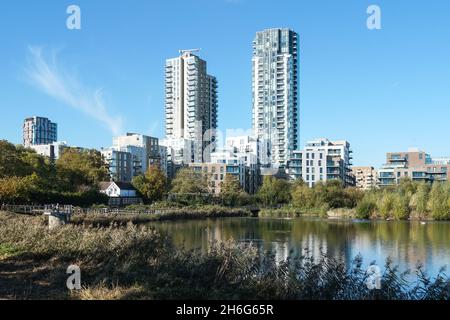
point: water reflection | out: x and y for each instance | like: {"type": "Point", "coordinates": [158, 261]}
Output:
{"type": "Point", "coordinates": [407, 243]}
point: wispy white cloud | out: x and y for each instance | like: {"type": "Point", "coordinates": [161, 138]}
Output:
{"type": "Point", "coordinates": [45, 73]}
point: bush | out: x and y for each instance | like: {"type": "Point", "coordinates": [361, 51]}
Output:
{"type": "Point", "coordinates": [386, 205]}
{"type": "Point", "coordinates": [366, 208]}
{"type": "Point", "coordinates": [438, 202]}
{"type": "Point", "coordinates": [401, 207]}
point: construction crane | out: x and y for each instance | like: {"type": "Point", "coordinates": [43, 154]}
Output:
{"type": "Point", "coordinates": [182, 52]}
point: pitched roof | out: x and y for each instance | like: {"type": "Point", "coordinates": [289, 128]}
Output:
{"type": "Point", "coordinates": [121, 185]}
{"type": "Point", "coordinates": [104, 185]}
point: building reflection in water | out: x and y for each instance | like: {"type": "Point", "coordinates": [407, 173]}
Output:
{"type": "Point", "coordinates": [407, 243]}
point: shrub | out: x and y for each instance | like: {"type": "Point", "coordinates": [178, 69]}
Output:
{"type": "Point", "coordinates": [386, 205]}
{"type": "Point", "coordinates": [366, 208]}
{"type": "Point", "coordinates": [437, 203]}
{"type": "Point", "coordinates": [401, 207]}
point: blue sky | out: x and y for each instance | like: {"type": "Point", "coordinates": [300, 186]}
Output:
{"type": "Point", "coordinates": [383, 90]}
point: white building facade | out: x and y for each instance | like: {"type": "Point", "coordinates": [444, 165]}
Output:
{"type": "Point", "coordinates": [191, 104]}
{"type": "Point", "coordinates": [323, 160]}
{"type": "Point", "coordinates": [52, 150]}
{"type": "Point", "coordinates": [275, 92]}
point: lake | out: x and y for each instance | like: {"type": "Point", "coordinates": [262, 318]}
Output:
{"type": "Point", "coordinates": [407, 243]}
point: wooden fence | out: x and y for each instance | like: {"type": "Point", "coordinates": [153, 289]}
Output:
{"type": "Point", "coordinates": [39, 210]}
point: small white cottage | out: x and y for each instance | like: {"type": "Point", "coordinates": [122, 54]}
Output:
{"type": "Point", "coordinates": [120, 193]}
{"type": "Point", "coordinates": [118, 189]}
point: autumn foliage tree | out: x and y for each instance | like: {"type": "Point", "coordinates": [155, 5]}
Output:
{"type": "Point", "coordinates": [274, 191]}
{"type": "Point", "coordinates": [231, 190]}
{"type": "Point", "coordinates": [153, 185]}
{"type": "Point", "coordinates": [27, 177]}
{"type": "Point", "coordinates": [79, 170]}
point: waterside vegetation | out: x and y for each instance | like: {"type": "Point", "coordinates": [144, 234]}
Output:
{"type": "Point", "coordinates": [136, 262]}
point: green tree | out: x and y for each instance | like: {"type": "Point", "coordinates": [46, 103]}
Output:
{"type": "Point", "coordinates": [421, 198]}
{"type": "Point", "coordinates": [11, 161]}
{"type": "Point", "coordinates": [367, 206]}
{"type": "Point", "coordinates": [303, 196]}
{"type": "Point", "coordinates": [231, 190]}
{"type": "Point", "coordinates": [400, 207]}
{"type": "Point", "coordinates": [152, 185]}
{"type": "Point", "coordinates": [386, 204]}
{"type": "Point", "coordinates": [17, 190]}
{"type": "Point", "coordinates": [274, 191]}
{"type": "Point", "coordinates": [438, 202]}
{"type": "Point", "coordinates": [16, 161]}
{"type": "Point", "coordinates": [187, 181]}
{"type": "Point", "coordinates": [80, 169]}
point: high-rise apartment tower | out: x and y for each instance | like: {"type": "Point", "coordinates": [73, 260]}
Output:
{"type": "Point", "coordinates": [275, 92]}
{"type": "Point", "coordinates": [191, 104]}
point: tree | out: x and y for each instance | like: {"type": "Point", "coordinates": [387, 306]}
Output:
{"type": "Point", "coordinates": [274, 191]}
{"type": "Point", "coordinates": [367, 206]}
{"type": "Point", "coordinates": [21, 162]}
{"type": "Point", "coordinates": [400, 206]}
{"type": "Point", "coordinates": [152, 186]}
{"type": "Point", "coordinates": [187, 181]}
{"type": "Point", "coordinates": [231, 190]}
{"type": "Point", "coordinates": [78, 169]}
{"type": "Point", "coordinates": [438, 202]}
{"type": "Point", "coordinates": [386, 204]}
{"type": "Point", "coordinates": [421, 198]}
{"type": "Point", "coordinates": [303, 196]}
{"type": "Point", "coordinates": [18, 189]}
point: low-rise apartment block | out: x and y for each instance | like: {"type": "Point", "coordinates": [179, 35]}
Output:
{"type": "Point", "coordinates": [366, 178]}
{"type": "Point", "coordinates": [321, 161]}
{"type": "Point", "coordinates": [242, 166]}
{"type": "Point", "coordinates": [119, 164]}
{"type": "Point", "coordinates": [414, 164]}
{"type": "Point", "coordinates": [131, 155]}
{"type": "Point", "coordinates": [52, 150]}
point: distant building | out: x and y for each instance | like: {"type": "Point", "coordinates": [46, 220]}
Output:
{"type": "Point", "coordinates": [321, 161]}
{"type": "Point", "coordinates": [52, 150]}
{"type": "Point", "coordinates": [275, 70]}
{"type": "Point", "coordinates": [250, 145]}
{"type": "Point", "coordinates": [179, 151]}
{"type": "Point", "coordinates": [145, 150]}
{"type": "Point", "coordinates": [164, 161]}
{"type": "Point", "coordinates": [120, 193]}
{"type": "Point", "coordinates": [366, 177]}
{"type": "Point", "coordinates": [216, 173]}
{"type": "Point", "coordinates": [414, 164]}
{"type": "Point", "coordinates": [119, 164]}
{"type": "Point", "coordinates": [191, 105]}
{"type": "Point", "coordinates": [242, 166]}
{"type": "Point", "coordinates": [39, 131]}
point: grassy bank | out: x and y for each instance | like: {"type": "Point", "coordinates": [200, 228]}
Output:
{"type": "Point", "coordinates": [137, 215]}
{"type": "Point", "coordinates": [135, 262]}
